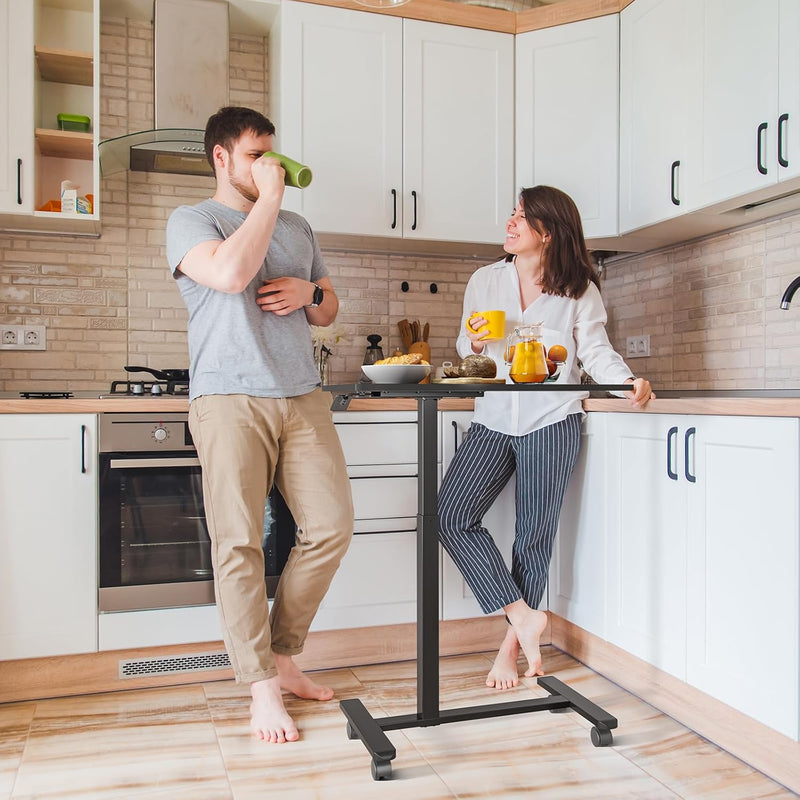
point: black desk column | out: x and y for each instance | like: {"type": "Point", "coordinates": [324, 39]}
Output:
{"type": "Point", "coordinates": [427, 561]}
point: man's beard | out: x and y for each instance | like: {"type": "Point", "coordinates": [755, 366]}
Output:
{"type": "Point", "coordinates": [248, 192]}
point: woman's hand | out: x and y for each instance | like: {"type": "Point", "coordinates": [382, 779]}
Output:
{"type": "Point", "coordinates": [642, 394]}
{"type": "Point", "coordinates": [475, 337]}
{"type": "Point", "coordinates": [281, 296]}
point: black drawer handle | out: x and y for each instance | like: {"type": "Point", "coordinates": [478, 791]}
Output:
{"type": "Point", "coordinates": [83, 449]}
{"type": "Point", "coordinates": [19, 181]}
{"type": "Point", "coordinates": [762, 128]}
{"type": "Point", "coordinates": [670, 472]}
{"type": "Point", "coordinates": [673, 183]}
{"type": "Point", "coordinates": [414, 224]}
{"type": "Point", "coordinates": [782, 120]}
{"type": "Point", "coordinates": [394, 208]}
{"type": "Point", "coordinates": [689, 433]}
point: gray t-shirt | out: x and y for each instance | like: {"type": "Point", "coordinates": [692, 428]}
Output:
{"type": "Point", "coordinates": [234, 346]}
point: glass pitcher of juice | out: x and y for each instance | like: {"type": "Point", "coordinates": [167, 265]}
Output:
{"type": "Point", "coordinates": [525, 354]}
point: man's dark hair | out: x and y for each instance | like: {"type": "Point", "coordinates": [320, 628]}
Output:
{"type": "Point", "coordinates": [227, 126]}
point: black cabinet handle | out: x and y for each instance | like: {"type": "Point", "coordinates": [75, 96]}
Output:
{"type": "Point", "coordinates": [689, 433]}
{"type": "Point", "coordinates": [394, 208]}
{"type": "Point", "coordinates": [414, 224]}
{"type": "Point", "coordinates": [760, 149]}
{"type": "Point", "coordinates": [782, 120]}
{"type": "Point", "coordinates": [19, 181]}
{"type": "Point", "coordinates": [83, 448]}
{"type": "Point", "coordinates": [455, 436]}
{"type": "Point", "coordinates": [673, 195]}
{"type": "Point", "coordinates": [672, 432]}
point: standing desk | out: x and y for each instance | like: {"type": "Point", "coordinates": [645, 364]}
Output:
{"type": "Point", "coordinates": [360, 723]}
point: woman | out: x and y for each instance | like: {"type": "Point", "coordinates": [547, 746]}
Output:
{"type": "Point", "coordinates": [546, 277]}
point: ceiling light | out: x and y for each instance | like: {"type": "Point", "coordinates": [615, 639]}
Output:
{"type": "Point", "coordinates": [381, 3]}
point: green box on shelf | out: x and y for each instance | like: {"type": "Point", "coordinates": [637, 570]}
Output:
{"type": "Point", "coordinates": [73, 122]}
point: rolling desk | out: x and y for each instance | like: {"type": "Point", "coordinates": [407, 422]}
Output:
{"type": "Point", "coordinates": [360, 723]}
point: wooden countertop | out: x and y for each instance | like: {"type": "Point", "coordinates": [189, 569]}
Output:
{"type": "Point", "coordinates": [733, 406]}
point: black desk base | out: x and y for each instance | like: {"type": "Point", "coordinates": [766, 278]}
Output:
{"type": "Point", "coordinates": [360, 723]}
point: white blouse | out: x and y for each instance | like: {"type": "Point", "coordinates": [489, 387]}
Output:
{"type": "Point", "coordinates": [579, 325]}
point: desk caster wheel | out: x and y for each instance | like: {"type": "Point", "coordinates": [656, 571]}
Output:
{"type": "Point", "coordinates": [381, 770]}
{"type": "Point", "coordinates": [351, 734]}
{"type": "Point", "coordinates": [601, 737]}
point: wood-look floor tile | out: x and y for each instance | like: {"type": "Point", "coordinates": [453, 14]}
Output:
{"type": "Point", "coordinates": [15, 721]}
{"type": "Point", "coordinates": [144, 743]}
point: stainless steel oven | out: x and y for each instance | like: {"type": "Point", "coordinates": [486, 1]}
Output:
{"type": "Point", "coordinates": [154, 545]}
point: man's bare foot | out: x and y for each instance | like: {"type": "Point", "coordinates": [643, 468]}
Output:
{"type": "Point", "coordinates": [293, 680]}
{"type": "Point", "coordinates": [503, 674]}
{"type": "Point", "coordinates": [268, 717]}
{"type": "Point", "coordinates": [529, 624]}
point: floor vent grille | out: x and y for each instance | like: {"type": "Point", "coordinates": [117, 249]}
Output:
{"type": "Point", "coordinates": [171, 665]}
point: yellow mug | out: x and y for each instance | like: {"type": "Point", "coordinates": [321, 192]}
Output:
{"type": "Point", "coordinates": [495, 325]}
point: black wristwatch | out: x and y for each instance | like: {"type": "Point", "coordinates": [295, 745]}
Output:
{"type": "Point", "coordinates": [318, 297]}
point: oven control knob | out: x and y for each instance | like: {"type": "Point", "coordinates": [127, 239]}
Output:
{"type": "Point", "coordinates": [159, 434]}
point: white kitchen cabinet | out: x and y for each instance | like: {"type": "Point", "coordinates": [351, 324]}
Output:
{"type": "Point", "coordinates": [48, 535]}
{"type": "Point", "coordinates": [703, 553]}
{"type": "Point", "coordinates": [567, 116]}
{"type": "Point", "coordinates": [743, 94]}
{"type": "Point", "coordinates": [52, 50]}
{"type": "Point", "coordinates": [407, 125]}
{"type": "Point", "coordinates": [577, 582]}
{"type": "Point", "coordinates": [458, 601]}
{"type": "Point", "coordinates": [657, 79]}
{"type": "Point", "coordinates": [16, 107]}
{"type": "Point", "coordinates": [743, 556]}
{"type": "Point", "coordinates": [646, 529]}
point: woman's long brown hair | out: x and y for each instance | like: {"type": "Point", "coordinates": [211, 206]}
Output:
{"type": "Point", "coordinates": [566, 266]}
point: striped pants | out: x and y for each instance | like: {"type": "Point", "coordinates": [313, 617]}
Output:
{"type": "Point", "coordinates": [481, 467]}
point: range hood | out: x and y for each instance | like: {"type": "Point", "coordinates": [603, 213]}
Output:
{"type": "Point", "coordinates": [191, 83]}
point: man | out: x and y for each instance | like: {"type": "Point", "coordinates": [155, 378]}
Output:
{"type": "Point", "coordinates": [253, 279]}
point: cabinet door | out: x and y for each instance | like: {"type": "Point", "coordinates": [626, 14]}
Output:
{"type": "Point", "coordinates": [656, 78]}
{"type": "Point", "coordinates": [567, 107]}
{"type": "Point", "coordinates": [734, 117]}
{"type": "Point", "coordinates": [48, 535]}
{"type": "Point", "coordinates": [458, 601]}
{"type": "Point", "coordinates": [16, 107]}
{"type": "Point", "coordinates": [577, 585]}
{"type": "Point", "coordinates": [336, 99]}
{"type": "Point", "coordinates": [646, 523]}
{"type": "Point", "coordinates": [788, 125]}
{"type": "Point", "coordinates": [743, 566]}
{"type": "Point", "coordinates": [458, 132]}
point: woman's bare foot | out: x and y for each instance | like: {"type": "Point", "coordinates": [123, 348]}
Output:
{"type": "Point", "coordinates": [529, 624]}
{"type": "Point", "coordinates": [503, 674]}
{"type": "Point", "coordinates": [268, 717]}
{"type": "Point", "coordinates": [293, 680]}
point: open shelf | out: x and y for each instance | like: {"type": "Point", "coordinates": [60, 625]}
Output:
{"type": "Point", "coordinates": [65, 144]}
{"type": "Point", "coordinates": [64, 66]}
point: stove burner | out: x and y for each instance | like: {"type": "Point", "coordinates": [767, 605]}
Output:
{"type": "Point", "coordinates": [148, 388]}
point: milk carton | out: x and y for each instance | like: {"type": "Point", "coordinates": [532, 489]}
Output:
{"type": "Point", "coordinates": [69, 197]}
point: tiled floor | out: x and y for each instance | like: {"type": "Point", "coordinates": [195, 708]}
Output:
{"type": "Point", "coordinates": [193, 743]}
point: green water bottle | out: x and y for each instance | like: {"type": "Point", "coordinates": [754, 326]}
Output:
{"type": "Point", "coordinates": [297, 174]}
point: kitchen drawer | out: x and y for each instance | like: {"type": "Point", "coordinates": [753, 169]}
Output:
{"type": "Point", "coordinates": [385, 499]}
{"type": "Point", "coordinates": [378, 442]}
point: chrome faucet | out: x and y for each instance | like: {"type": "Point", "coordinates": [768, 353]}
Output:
{"type": "Point", "coordinates": [789, 293]}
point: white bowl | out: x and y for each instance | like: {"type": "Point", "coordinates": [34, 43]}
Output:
{"type": "Point", "coordinates": [396, 373]}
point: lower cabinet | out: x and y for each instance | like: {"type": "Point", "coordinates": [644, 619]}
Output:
{"type": "Point", "coordinates": [703, 557]}
{"type": "Point", "coordinates": [458, 602]}
{"type": "Point", "coordinates": [48, 535]}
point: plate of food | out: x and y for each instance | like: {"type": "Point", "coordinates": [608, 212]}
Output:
{"type": "Point", "coordinates": [411, 368]}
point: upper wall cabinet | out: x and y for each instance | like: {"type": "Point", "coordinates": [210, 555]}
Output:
{"type": "Point", "coordinates": [567, 116]}
{"type": "Point", "coordinates": [52, 50]}
{"type": "Point", "coordinates": [406, 125]}
{"type": "Point", "coordinates": [656, 76]}
{"type": "Point", "coordinates": [745, 131]}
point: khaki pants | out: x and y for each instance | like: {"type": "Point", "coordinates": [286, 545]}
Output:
{"type": "Point", "coordinates": [245, 444]}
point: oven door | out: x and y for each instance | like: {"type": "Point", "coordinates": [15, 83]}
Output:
{"type": "Point", "coordinates": [154, 545]}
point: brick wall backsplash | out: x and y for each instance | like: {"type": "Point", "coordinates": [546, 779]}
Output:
{"type": "Point", "coordinates": [710, 307]}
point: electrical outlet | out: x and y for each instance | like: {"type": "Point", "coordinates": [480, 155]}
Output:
{"type": "Point", "coordinates": [23, 337]}
{"type": "Point", "coordinates": [637, 346]}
